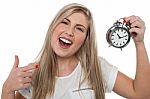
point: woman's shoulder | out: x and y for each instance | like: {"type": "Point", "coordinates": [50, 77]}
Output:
{"type": "Point", "coordinates": [109, 73]}
{"type": "Point", "coordinates": [105, 65]}
{"type": "Point", "coordinates": [104, 62]}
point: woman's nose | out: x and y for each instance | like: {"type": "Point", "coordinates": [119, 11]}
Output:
{"type": "Point", "coordinates": [70, 32]}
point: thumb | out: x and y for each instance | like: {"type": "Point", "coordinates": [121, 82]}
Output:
{"type": "Point", "coordinates": [16, 63]}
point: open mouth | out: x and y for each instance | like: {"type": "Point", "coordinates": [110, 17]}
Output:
{"type": "Point", "coordinates": [64, 43]}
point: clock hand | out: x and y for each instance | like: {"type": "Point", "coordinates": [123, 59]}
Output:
{"type": "Point", "coordinates": [119, 36]}
{"type": "Point", "coordinates": [123, 36]}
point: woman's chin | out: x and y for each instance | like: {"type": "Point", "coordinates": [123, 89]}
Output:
{"type": "Point", "coordinates": [63, 54]}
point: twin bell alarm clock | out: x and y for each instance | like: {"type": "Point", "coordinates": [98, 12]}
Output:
{"type": "Point", "coordinates": [118, 35]}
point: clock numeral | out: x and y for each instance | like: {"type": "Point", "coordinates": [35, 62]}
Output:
{"type": "Point", "coordinates": [121, 30]}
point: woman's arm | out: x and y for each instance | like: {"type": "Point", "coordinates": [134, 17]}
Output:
{"type": "Point", "coordinates": [6, 94]}
{"type": "Point", "coordinates": [139, 88]}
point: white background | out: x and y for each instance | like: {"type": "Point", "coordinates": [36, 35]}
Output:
{"type": "Point", "coordinates": [24, 23]}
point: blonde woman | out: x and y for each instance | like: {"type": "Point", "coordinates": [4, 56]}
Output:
{"type": "Point", "coordinates": [68, 66]}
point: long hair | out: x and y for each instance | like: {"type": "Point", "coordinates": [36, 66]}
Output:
{"type": "Point", "coordinates": [44, 79]}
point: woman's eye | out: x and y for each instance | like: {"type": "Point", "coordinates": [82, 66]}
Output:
{"type": "Point", "coordinates": [64, 22]}
{"type": "Point", "coordinates": [80, 29]}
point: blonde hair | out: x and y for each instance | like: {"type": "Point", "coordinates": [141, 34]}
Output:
{"type": "Point", "coordinates": [44, 79]}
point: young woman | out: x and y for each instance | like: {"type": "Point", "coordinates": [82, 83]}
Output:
{"type": "Point", "coordinates": [68, 66]}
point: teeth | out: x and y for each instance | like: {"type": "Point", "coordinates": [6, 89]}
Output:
{"type": "Point", "coordinates": [66, 41]}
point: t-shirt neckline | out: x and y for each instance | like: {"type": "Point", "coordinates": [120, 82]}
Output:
{"type": "Point", "coordinates": [72, 73]}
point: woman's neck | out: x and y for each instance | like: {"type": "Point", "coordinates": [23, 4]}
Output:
{"type": "Point", "coordinates": [66, 66]}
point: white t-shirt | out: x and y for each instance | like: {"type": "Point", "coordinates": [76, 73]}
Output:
{"type": "Point", "coordinates": [67, 87]}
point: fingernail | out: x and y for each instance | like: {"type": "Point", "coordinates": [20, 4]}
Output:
{"type": "Point", "coordinates": [37, 66]}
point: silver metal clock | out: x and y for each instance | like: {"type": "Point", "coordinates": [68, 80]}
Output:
{"type": "Point", "coordinates": [118, 35]}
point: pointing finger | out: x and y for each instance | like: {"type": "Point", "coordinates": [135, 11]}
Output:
{"type": "Point", "coordinates": [29, 67]}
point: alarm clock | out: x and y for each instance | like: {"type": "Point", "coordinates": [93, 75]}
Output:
{"type": "Point", "coordinates": [118, 35]}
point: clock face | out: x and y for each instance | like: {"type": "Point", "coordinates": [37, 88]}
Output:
{"type": "Point", "coordinates": [119, 37]}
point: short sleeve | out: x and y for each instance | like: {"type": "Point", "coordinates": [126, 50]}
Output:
{"type": "Point", "coordinates": [109, 73]}
{"type": "Point", "coordinates": [26, 93]}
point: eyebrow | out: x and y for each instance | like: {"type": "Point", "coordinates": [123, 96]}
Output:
{"type": "Point", "coordinates": [67, 19]}
{"type": "Point", "coordinates": [77, 24]}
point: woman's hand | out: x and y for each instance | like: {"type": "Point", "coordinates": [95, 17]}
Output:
{"type": "Point", "coordinates": [137, 29]}
{"type": "Point", "coordinates": [19, 77]}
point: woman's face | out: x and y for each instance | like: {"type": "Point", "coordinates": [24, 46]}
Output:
{"type": "Point", "coordinates": [69, 35]}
